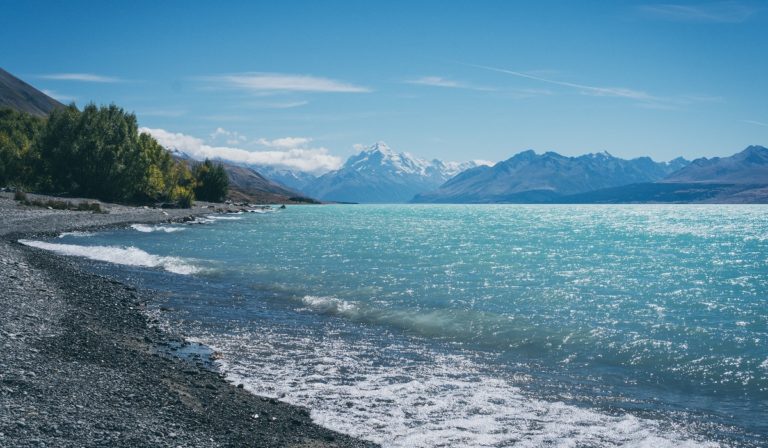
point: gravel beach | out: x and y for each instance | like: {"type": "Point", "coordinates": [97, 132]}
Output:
{"type": "Point", "coordinates": [82, 365]}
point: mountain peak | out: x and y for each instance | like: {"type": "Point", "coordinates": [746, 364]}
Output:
{"type": "Point", "coordinates": [755, 149]}
{"type": "Point", "coordinates": [381, 174]}
{"type": "Point", "coordinates": [528, 154]}
{"type": "Point", "coordinates": [381, 147]}
{"type": "Point", "coordinates": [600, 155]}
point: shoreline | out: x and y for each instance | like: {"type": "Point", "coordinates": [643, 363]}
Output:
{"type": "Point", "coordinates": [84, 365]}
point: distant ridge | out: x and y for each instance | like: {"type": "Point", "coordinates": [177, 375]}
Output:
{"type": "Point", "coordinates": [248, 185]}
{"type": "Point", "coordinates": [18, 95]}
{"type": "Point", "coordinates": [749, 166]}
{"type": "Point", "coordinates": [293, 179]}
{"type": "Point", "coordinates": [739, 179]}
{"type": "Point", "coordinates": [528, 177]}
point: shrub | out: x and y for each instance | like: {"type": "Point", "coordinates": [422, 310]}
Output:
{"type": "Point", "coordinates": [86, 206]}
{"type": "Point", "coordinates": [20, 196]}
{"type": "Point", "coordinates": [211, 181]}
{"type": "Point", "coordinates": [57, 205]}
{"type": "Point", "coordinates": [182, 196]}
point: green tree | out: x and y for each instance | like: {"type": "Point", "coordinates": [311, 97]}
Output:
{"type": "Point", "coordinates": [57, 153]}
{"type": "Point", "coordinates": [156, 166]}
{"type": "Point", "coordinates": [19, 133]}
{"type": "Point", "coordinates": [97, 153]}
{"type": "Point", "coordinates": [211, 181]}
{"type": "Point", "coordinates": [93, 153]}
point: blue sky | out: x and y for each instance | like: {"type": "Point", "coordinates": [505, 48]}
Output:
{"type": "Point", "coordinates": [307, 83]}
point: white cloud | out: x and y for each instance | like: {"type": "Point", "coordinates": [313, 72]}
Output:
{"type": "Point", "coordinates": [278, 104]}
{"type": "Point", "coordinates": [642, 98]}
{"type": "Point", "coordinates": [84, 77]}
{"type": "Point", "coordinates": [276, 82]}
{"type": "Point", "coordinates": [713, 12]}
{"type": "Point", "coordinates": [58, 96]}
{"type": "Point", "coordinates": [620, 92]}
{"type": "Point", "coordinates": [228, 137]}
{"type": "Point", "coordinates": [756, 123]}
{"type": "Point", "coordinates": [437, 81]}
{"type": "Point", "coordinates": [218, 132]}
{"type": "Point", "coordinates": [284, 143]}
{"type": "Point", "coordinates": [315, 160]}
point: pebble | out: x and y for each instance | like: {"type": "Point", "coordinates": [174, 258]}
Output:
{"type": "Point", "coordinates": [81, 360]}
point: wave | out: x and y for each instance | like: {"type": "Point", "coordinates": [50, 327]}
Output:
{"type": "Point", "coordinates": [415, 397]}
{"type": "Point", "coordinates": [331, 305]}
{"type": "Point", "coordinates": [148, 229]}
{"type": "Point", "coordinates": [201, 220]}
{"type": "Point", "coordinates": [262, 211]}
{"type": "Point", "coordinates": [129, 256]}
{"type": "Point", "coordinates": [488, 329]}
{"type": "Point", "coordinates": [221, 217]}
{"type": "Point", "coordinates": [76, 233]}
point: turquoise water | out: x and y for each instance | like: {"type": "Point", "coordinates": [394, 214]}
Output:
{"type": "Point", "coordinates": [478, 325]}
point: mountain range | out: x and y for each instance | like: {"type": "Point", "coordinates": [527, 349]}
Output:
{"type": "Point", "coordinates": [293, 179]}
{"type": "Point", "coordinates": [380, 175]}
{"type": "Point", "coordinates": [750, 166]}
{"type": "Point", "coordinates": [531, 177]}
{"type": "Point", "coordinates": [739, 179]}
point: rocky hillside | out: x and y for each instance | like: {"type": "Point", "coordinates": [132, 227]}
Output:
{"type": "Point", "coordinates": [18, 95]}
{"type": "Point", "coordinates": [247, 185]}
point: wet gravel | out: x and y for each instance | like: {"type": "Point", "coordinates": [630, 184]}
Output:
{"type": "Point", "coordinates": [81, 364]}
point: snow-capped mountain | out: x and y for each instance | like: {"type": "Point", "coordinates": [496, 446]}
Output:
{"type": "Point", "coordinates": [178, 153]}
{"type": "Point", "coordinates": [294, 179]}
{"type": "Point", "coordinates": [380, 175]}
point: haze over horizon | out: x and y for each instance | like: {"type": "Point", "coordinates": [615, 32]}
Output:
{"type": "Point", "coordinates": [310, 83]}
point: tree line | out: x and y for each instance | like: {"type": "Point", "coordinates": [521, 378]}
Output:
{"type": "Point", "coordinates": [99, 153]}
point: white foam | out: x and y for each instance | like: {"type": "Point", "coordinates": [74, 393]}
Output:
{"type": "Point", "coordinates": [263, 210]}
{"type": "Point", "coordinates": [130, 256]}
{"type": "Point", "coordinates": [200, 220]}
{"type": "Point", "coordinates": [77, 233]}
{"type": "Point", "coordinates": [330, 305]}
{"type": "Point", "coordinates": [223, 217]}
{"type": "Point", "coordinates": [148, 229]}
{"type": "Point", "coordinates": [424, 322]}
{"type": "Point", "coordinates": [408, 396]}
